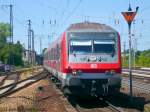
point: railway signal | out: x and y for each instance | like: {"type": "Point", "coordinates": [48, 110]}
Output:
{"type": "Point", "coordinates": [129, 17]}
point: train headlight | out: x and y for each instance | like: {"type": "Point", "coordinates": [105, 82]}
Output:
{"type": "Point", "coordinates": [74, 72]}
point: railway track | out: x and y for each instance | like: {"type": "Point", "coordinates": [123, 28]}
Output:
{"type": "Point", "coordinates": [5, 75]}
{"type": "Point", "coordinates": [138, 70]}
{"type": "Point", "coordinates": [94, 105]}
{"type": "Point", "coordinates": [139, 79]}
{"type": "Point", "coordinates": [111, 106]}
{"type": "Point", "coordinates": [143, 87]}
{"type": "Point", "coordinates": [7, 88]}
{"type": "Point", "coordinates": [3, 79]}
{"type": "Point", "coordinates": [20, 84]}
{"type": "Point", "coordinates": [138, 73]}
{"type": "Point", "coordinates": [8, 80]}
{"type": "Point", "coordinates": [100, 105]}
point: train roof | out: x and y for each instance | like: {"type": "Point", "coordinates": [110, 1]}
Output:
{"type": "Point", "coordinates": [89, 26]}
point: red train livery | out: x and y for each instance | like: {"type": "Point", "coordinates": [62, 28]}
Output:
{"type": "Point", "coordinates": [86, 60]}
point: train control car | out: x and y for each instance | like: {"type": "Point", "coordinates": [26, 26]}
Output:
{"type": "Point", "coordinates": [86, 60]}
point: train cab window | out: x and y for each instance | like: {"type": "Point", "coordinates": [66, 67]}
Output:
{"type": "Point", "coordinates": [104, 46]}
{"type": "Point", "coordinates": [80, 46]}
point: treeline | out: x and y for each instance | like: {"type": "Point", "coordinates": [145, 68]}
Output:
{"type": "Point", "coordinates": [9, 53]}
{"type": "Point", "coordinates": [142, 59]}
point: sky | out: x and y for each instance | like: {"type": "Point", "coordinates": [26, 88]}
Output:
{"type": "Point", "coordinates": [49, 18]}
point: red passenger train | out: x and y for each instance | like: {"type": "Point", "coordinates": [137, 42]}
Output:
{"type": "Point", "coordinates": [86, 60]}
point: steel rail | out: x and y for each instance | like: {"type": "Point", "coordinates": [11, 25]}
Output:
{"type": "Point", "coordinates": [19, 71]}
{"type": "Point", "coordinates": [137, 77]}
{"type": "Point", "coordinates": [143, 90]}
{"type": "Point", "coordinates": [144, 87]}
{"type": "Point", "coordinates": [19, 81]}
{"type": "Point", "coordinates": [5, 94]}
{"type": "Point", "coordinates": [3, 80]}
{"type": "Point", "coordinates": [80, 109]}
{"type": "Point", "coordinates": [96, 109]}
{"type": "Point", "coordinates": [137, 71]}
{"type": "Point", "coordinates": [111, 106]}
{"type": "Point", "coordinates": [12, 86]}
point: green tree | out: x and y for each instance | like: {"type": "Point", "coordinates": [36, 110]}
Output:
{"type": "Point", "coordinates": [9, 53]}
{"type": "Point", "coordinates": [144, 58]}
{"type": "Point", "coordinates": [5, 54]}
{"type": "Point", "coordinates": [12, 54]}
{"type": "Point", "coordinates": [4, 33]}
{"type": "Point", "coordinates": [17, 52]}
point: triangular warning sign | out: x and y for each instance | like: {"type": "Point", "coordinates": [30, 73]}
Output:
{"type": "Point", "coordinates": [129, 16]}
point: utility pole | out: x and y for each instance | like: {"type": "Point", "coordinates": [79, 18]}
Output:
{"type": "Point", "coordinates": [33, 51]}
{"type": "Point", "coordinates": [129, 17]}
{"type": "Point", "coordinates": [40, 46]}
{"type": "Point", "coordinates": [11, 57]}
{"type": "Point", "coordinates": [29, 41]}
{"type": "Point", "coordinates": [32, 40]}
{"type": "Point", "coordinates": [11, 23]}
{"type": "Point", "coordinates": [11, 33]}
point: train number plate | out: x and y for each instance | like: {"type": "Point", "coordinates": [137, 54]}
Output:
{"type": "Point", "coordinates": [93, 65]}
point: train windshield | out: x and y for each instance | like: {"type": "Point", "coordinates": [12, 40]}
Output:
{"type": "Point", "coordinates": [92, 47]}
{"type": "Point", "coordinates": [104, 46]}
{"type": "Point", "coordinates": [80, 46]}
{"type": "Point", "coordinates": [92, 42]}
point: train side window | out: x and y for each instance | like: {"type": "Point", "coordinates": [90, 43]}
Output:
{"type": "Point", "coordinates": [57, 50]}
{"type": "Point", "coordinates": [51, 54]}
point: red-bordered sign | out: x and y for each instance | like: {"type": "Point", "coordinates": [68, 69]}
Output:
{"type": "Point", "coordinates": [129, 16]}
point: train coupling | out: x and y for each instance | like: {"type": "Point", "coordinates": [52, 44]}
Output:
{"type": "Point", "coordinates": [93, 88]}
{"type": "Point", "coordinates": [105, 89]}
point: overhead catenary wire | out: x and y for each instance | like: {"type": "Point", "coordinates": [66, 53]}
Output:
{"type": "Point", "coordinates": [72, 12]}
{"type": "Point", "coordinates": [63, 23]}
{"type": "Point", "coordinates": [65, 10]}
{"type": "Point", "coordinates": [15, 18]}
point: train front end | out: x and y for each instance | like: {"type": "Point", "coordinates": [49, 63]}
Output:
{"type": "Point", "coordinates": [93, 63]}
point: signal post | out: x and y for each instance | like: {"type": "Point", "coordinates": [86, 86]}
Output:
{"type": "Point", "coordinates": [129, 17]}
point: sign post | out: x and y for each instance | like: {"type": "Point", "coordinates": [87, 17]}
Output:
{"type": "Point", "coordinates": [129, 17]}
